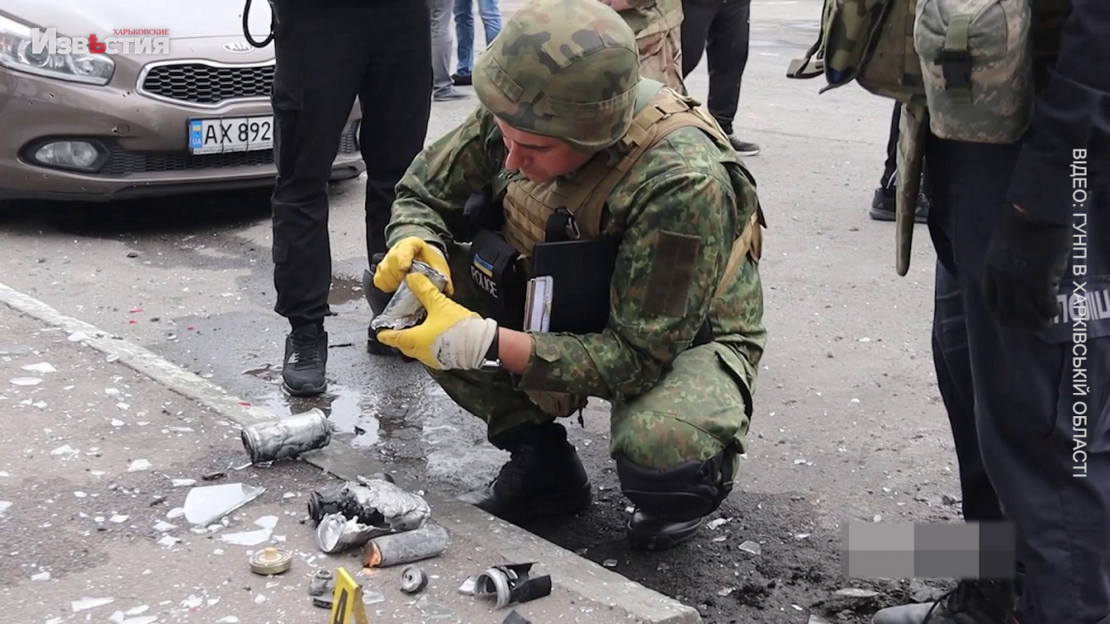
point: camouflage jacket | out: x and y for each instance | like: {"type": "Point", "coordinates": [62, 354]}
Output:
{"type": "Point", "coordinates": [678, 211]}
{"type": "Point", "coordinates": [649, 17]}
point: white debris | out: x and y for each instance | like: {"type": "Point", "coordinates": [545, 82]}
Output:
{"type": "Point", "coordinates": [163, 526]}
{"type": "Point", "coordinates": [118, 519]}
{"type": "Point", "coordinates": [4, 473]}
{"type": "Point", "coordinates": [41, 576]}
{"type": "Point", "coordinates": [877, 518]}
{"type": "Point", "coordinates": [176, 512]}
{"type": "Point", "coordinates": [123, 406]}
{"type": "Point", "coordinates": [183, 482]}
{"type": "Point", "coordinates": [246, 538]}
{"type": "Point", "coordinates": [89, 603]}
{"type": "Point", "coordinates": [799, 462]}
{"type": "Point", "coordinates": [854, 401]}
{"type": "Point", "coordinates": [714, 524]}
{"type": "Point", "coordinates": [259, 599]}
{"type": "Point", "coordinates": [26, 381]}
{"type": "Point", "coordinates": [138, 465]}
{"type": "Point", "coordinates": [78, 336]}
{"type": "Point", "coordinates": [192, 602]}
{"type": "Point", "coordinates": [854, 592]}
{"type": "Point", "coordinates": [80, 494]}
{"type": "Point", "coordinates": [117, 422]}
{"type": "Point", "coordinates": [4, 506]}
{"type": "Point", "coordinates": [289, 495]}
{"type": "Point", "coordinates": [65, 449]}
{"type": "Point", "coordinates": [751, 547]}
{"type": "Point", "coordinates": [231, 619]}
{"type": "Point", "coordinates": [168, 541]}
{"type": "Point", "coordinates": [112, 357]}
{"type": "Point", "coordinates": [111, 391]}
{"type": "Point", "coordinates": [41, 367]}
{"type": "Point", "coordinates": [97, 473]}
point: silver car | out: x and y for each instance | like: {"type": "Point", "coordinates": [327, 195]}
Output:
{"type": "Point", "coordinates": [109, 99]}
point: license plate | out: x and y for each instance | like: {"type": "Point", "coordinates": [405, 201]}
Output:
{"type": "Point", "coordinates": [235, 134]}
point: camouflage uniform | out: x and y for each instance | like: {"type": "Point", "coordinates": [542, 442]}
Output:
{"type": "Point", "coordinates": [658, 28]}
{"type": "Point", "coordinates": [673, 406]}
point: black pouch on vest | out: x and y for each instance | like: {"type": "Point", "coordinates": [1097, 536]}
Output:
{"type": "Point", "coordinates": [498, 279]}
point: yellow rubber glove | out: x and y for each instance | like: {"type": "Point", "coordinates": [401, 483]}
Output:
{"type": "Point", "coordinates": [398, 260]}
{"type": "Point", "coordinates": [450, 338]}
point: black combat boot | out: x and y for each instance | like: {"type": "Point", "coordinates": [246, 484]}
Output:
{"type": "Point", "coordinates": [648, 532]}
{"type": "Point", "coordinates": [971, 602]}
{"type": "Point", "coordinates": [544, 477]}
{"type": "Point", "coordinates": [306, 360]}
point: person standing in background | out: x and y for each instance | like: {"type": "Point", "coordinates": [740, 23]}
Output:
{"type": "Point", "coordinates": [326, 54]}
{"type": "Point", "coordinates": [882, 204]}
{"type": "Point", "coordinates": [443, 89]}
{"type": "Point", "coordinates": [657, 25]}
{"type": "Point", "coordinates": [490, 13]}
{"type": "Point", "coordinates": [722, 29]}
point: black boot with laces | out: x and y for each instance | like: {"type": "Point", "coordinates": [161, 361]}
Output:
{"type": "Point", "coordinates": [306, 359]}
{"type": "Point", "coordinates": [970, 602]}
{"type": "Point", "coordinates": [544, 477]}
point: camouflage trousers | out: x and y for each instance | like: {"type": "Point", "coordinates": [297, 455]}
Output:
{"type": "Point", "coordinates": [699, 408]}
{"type": "Point", "coordinates": [661, 58]}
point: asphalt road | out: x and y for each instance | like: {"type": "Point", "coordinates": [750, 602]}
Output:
{"type": "Point", "coordinates": [848, 427]}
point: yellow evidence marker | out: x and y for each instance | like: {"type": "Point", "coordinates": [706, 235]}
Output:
{"type": "Point", "coordinates": [347, 606]}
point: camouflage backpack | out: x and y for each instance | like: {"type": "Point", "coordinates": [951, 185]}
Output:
{"type": "Point", "coordinates": [869, 41]}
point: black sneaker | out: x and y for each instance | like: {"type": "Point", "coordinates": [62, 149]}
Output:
{"type": "Point", "coordinates": [306, 360]}
{"type": "Point", "coordinates": [744, 148]}
{"type": "Point", "coordinates": [461, 80]}
{"type": "Point", "coordinates": [971, 602]}
{"type": "Point", "coordinates": [883, 203]}
{"type": "Point", "coordinates": [543, 477]}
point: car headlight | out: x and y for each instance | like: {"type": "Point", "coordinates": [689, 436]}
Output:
{"type": "Point", "coordinates": [17, 53]}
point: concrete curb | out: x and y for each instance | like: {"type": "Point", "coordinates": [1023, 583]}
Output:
{"type": "Point", "coordinates": [637, 603]}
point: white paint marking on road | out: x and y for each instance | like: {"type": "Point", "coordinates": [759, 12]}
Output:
{"type": "Point", "coordinates": [140, 359]}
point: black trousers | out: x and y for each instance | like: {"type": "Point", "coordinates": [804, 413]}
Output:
{"type": "Point", "coordinates": [721, 29]}
{"type": "Point", "coordinates": [327, 54]}
{"type": "Point", "coordinates": [1017, 418]}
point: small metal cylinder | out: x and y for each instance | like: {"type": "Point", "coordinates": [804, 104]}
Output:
{"type": "Point", "coordinates": [286, 437]}
{"type": "Point", "coordinates": [426, 542]}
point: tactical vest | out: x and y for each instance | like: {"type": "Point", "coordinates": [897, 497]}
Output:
{"type": "Point", "coordinates": [529, 205]}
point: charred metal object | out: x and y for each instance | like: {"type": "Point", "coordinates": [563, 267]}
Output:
{"type": "Point", "coordinates": [413, 580]}
{"type": "Point", "coordinates": [287, 437]}
{"type": "Point", "coordinates": [511, 584]}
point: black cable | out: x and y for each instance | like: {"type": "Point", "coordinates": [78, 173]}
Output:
{"type": "Point", "coordinates": [246, 29]}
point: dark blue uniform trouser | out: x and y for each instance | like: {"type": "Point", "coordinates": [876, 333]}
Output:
{"type": "Point", "coordinates": [327, 54]}
{"type": "Point", "coordinates": [1030, 443]}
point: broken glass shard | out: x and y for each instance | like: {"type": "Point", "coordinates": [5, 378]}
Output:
{"type": "Point", "coordinates": [89, 603]}
{"type": "Point", "coordinates": [207, 504]}
{"type": "Point", "coordinates": [432, 610]}
{"type": "Point", "coordinates": [26, 381]}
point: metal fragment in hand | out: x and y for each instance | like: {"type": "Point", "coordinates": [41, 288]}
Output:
{"type": "Point", "coordinates": [404, 308]}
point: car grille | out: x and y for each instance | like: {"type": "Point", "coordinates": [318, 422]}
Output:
{"type": "Point", "coordinates": [123, 162]}
{"type": "Point", "coordinates": [198, 83]}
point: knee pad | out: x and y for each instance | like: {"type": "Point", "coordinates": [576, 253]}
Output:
{"type": "Point", "coordinates": [690, 490]}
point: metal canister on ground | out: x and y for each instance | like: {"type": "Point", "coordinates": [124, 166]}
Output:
{"type": "Point", "coordinates": [286, 437]}
{"type": "Point", "coordinates": [426, 542]}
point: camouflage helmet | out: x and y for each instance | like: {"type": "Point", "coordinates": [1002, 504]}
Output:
{"type": "Point", "coordinates": [567, 69]}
